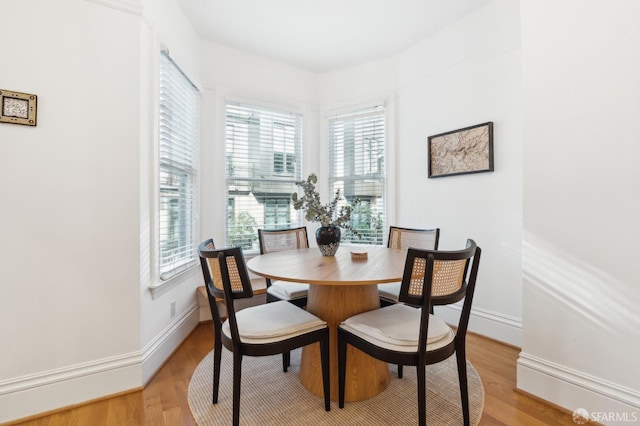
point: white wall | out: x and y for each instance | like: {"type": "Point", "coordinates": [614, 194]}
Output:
{"type": "Point", "coordinates": [78, 234]}
{"type": "Point", "coordinates": [69, 300]}
{"type": "Point", "coordinates": [461, 76]}
{"type": "Point", "coordinates": [358, 83]}
{"type": "Point", "coordinates": [581, 84]}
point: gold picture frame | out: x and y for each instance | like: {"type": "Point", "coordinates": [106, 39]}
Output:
{"type": "Point", "coordinates": [18, 108]}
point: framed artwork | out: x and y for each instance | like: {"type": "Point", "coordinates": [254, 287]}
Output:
{"type": "Point", "coordinates": [462, 151]}
{"type": "Point", "coordinates": [18, 108]}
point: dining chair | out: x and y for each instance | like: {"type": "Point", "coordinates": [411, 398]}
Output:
{"type": "Point", "coordinates": [262, 330]}
{"type": "Point", "coordinates": [272, 240]}
{"type": "Point", "coordinates": [217, 318]}
{"type": "Point", "coordinates": [403, 238]}
{"type": "Point", "coordinates": [406, 335]}
{"type": "Point", "coordinates": [208, 245]}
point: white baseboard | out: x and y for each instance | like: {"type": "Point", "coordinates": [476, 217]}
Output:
{"type": "Point", "coordinates": [36, 393]}
{"type": "Point", "coordinates": [607, 403]}
{"type": "Point", "coordinates": [50, 390]}
{"type": "Point", "coordinates": [504, 328]}
{"type": "Point", "coordinates": [160, 349]}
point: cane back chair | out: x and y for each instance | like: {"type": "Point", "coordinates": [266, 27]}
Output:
{"type": "Point", "coordinates": [406, 335]}
{"type": "Point", "coordinates": [262, 330]}
{"type": "Point", "coordinates": [279, 240]}
{"type": "Point", "coordinates": [403, 238]}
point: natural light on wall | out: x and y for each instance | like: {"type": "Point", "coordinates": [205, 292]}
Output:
{"type": "Point", "coordinates": [584, 290]}
{"type": "Point", "coordinates": [263, 164]}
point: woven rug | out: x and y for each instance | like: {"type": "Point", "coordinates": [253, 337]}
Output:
{"type": "Point", "coordinates": [272, 397]}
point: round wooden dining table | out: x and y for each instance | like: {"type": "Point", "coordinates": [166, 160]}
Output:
{"type": "Point", "coordinates": [340, 287]}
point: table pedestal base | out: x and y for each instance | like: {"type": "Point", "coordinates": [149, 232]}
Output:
{"type": "Point", "coordinates": [366, 377]}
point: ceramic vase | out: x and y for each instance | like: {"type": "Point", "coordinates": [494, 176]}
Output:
{"type": "Point", "coordinates": [328, 239]}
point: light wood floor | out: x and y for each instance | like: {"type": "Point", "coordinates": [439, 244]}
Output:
{"type": "Point", "coordinates": [164, 400]}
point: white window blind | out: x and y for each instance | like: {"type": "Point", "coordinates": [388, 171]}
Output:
{"type": "Point", "coordinates": [263, 162]}
{"type": "Point", "coordinates": [179, 137]}
{"type": "Point", "coordinates": [357, 156]}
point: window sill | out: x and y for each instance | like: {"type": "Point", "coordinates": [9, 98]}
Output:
{"type": "Point", "coordinates": [163, 287]}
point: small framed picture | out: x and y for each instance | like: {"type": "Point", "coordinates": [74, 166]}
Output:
{"type": "Point", "coordinates": [462, 151]}
{"type": "Point", "coordinates": [18, 108]}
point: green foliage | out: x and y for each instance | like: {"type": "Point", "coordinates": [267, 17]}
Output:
{"type": "Point", "coordinates": [242, 231]}
{"type": "Point", "coordinates": [367, 224]}
{"type": "Point", "coordinates": [326, 214]}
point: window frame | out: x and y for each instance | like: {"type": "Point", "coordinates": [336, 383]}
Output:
{"type": "Point", "coordinates": [180, 164]}
{"type": "Point", "coordinates": [278, 160]}
{"type": "Point", "coordinates": [382, 162]}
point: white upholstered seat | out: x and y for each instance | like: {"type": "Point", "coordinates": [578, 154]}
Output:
{"type": "Point", "coordinates": [273, 322]}
{"type": "Point", "coordinates": [389, 291]}
{"type": "Point", "coordinates": [285, 290]}
{"type": "Point", "coordinates": [396, 327]}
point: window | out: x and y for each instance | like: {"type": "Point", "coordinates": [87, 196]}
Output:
{"type": "Point", "coordinates": [283, 163]}
{"type": "Point", "coordinates": [356, 167]}
{"type": "Point", "coordinates": [277, 212]}
{"type": "Point", "coordinates": [179, 136]}
{"type": "Point", "coordinates": [263, 164]}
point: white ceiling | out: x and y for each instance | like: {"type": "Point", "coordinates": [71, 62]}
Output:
{"type": "Point", "coordinates": [322, 35]}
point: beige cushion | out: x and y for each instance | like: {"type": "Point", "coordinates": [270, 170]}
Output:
{"type": "Point", "coordinates": [397, 327]}
{"type": "Point", "coordinates": [389, 291]}
{"type": "Point", "coordinates": [286, 290]}
{"type": "Point", "coordinates": [273, 322]}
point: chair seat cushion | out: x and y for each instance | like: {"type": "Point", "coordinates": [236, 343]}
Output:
{"type": "Point", "coordinates": [286, 290]}
{"type": "Point", "coordinates": [389, 291]}
{"type": "Point", "coordinates": [396, 327]}
{"type": "Point", "coordinates": [273, 322]}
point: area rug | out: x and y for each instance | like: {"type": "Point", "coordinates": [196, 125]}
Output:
{"type": "Point", "coordinates": [272, 397]}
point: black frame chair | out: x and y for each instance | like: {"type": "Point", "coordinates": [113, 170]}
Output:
{"type": "Point", "coordinates": [270, 240]}
{"type": "Point", "coordinates": [217, 320]}
{"type": "Point", "coordinates": [226, 277]}
{"type": "Point", "coordinates": [422, 281]}
{"type": "Point", "coordinates": [215, 317]}
{"type": "Point", "coordinates": [415, 238]}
